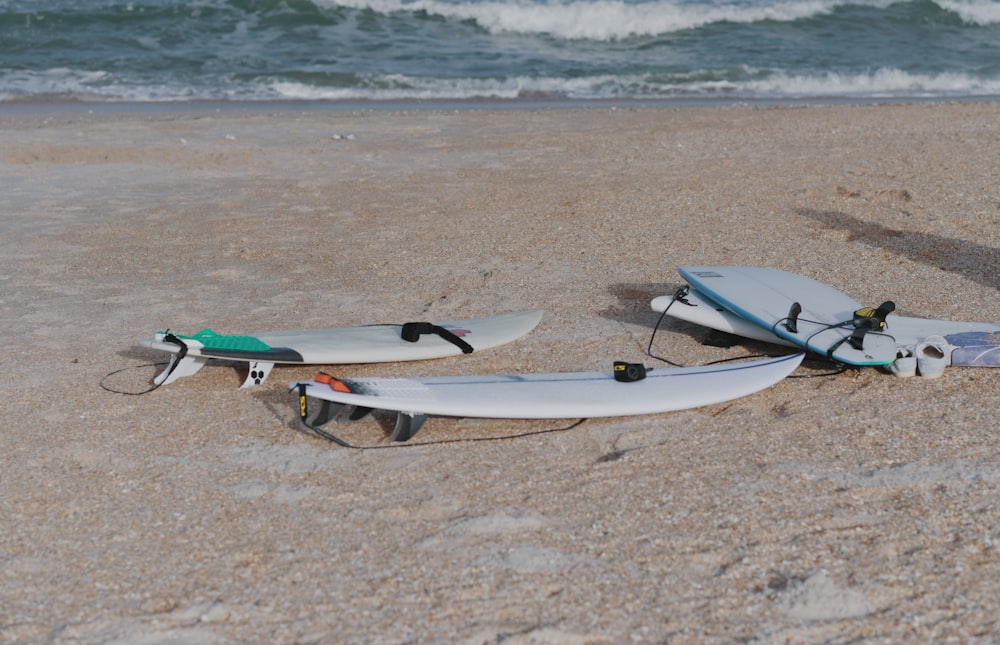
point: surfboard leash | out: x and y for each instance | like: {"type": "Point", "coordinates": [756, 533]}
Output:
{"type": "Point", "coordinates": [867, 320]}
{"type": "Point", "coordinates": [323, 417]}
{"type": "Point", "coordinates": [125, 369]}
{"type": "Point", "coordinates": [169, 338]}
{"type": "Point", "coordinates": [681, 296]}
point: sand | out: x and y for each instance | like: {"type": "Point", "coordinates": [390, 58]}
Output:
{"type": "Point", "coordinates": [829, 508]}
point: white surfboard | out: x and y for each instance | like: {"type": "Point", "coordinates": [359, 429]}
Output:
{"type": "Point", "coordinates": [693, 307]}
{"type": "Point", "coordinates": [350, 345]}
{"type": "Point", "coordinates": [971, 344]}
{"type": "Point", "coordinates": [800, 310]}
{"type": "Point", "coordinates": [567, 395]}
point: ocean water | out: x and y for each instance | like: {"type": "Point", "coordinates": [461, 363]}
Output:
{"type": "Point", "coordinates": [246, 50]}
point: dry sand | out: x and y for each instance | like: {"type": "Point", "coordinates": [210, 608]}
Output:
{"type": "Point", "coordinates": [854, 507]}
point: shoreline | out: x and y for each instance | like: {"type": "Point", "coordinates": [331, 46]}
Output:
{"type": "Point", "coordinates": [35, 105]}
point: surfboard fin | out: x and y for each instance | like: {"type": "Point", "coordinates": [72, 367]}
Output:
{"type": "Point", "coordinates": [257, 374]}
{"type": "Point", "coordinates": [407, 425]}
{"type": "Point", "coordinates": [356, 413]}
{"type": "Point", "coordinates": [179, 367]}
{"type": "Point", "coordinates": [328, 410]}
{"type": "Point", "coordinates": [873, 318]}
{"type": "Point", "coordinates": [792, 321]}
{"type": "Point", "coordinates": [869, 319]}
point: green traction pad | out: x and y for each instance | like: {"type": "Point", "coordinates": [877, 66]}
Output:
{"type": "Point", "coordinates": [212, 340]}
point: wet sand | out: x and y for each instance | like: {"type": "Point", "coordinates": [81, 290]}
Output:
{"type": "Point", "coordinates": [846, 507]}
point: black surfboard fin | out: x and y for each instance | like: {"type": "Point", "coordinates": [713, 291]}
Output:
{"type": "Point", "coordinates": [357, 413]}
{"type": "Point", "coordinates": [328, 410]}
{"type": "Point", "coordinates": [792, 321]}
{"type": "Point", "coordinates": [407, 425]}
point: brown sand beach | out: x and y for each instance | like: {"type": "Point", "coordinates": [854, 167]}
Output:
{"type": "Point", "coordinates": [853, 507]}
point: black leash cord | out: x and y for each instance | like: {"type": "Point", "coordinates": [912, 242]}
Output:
{"type": "Point", "coordinates": [167, 338]}
{"type": "Point", "coordinates": [678, 296]}
{"type": "Point", "coordinates": [437, 442]}
{"type": "Point", "coordinates": [125, 369]}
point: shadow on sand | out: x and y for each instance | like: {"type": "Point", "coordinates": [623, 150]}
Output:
{"type": "Point", "coordinates": [977, 262]}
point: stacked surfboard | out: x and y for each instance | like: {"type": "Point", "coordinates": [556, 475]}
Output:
{"type": "Point", "coordinates": [788, 309]}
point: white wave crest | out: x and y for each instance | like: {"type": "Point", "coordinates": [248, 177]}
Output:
{"type": "Point", "coordinates": [886, 83]}
{"type": "Point", "coordinates": [748, 84]}
{"type": "Point", "coordinates": [883, 83]}
{"type": "Point", "coordinates": [600, 19]}
{"type": "Point", "coordinates": [57, 81]}
{"type": "Point", "coordinates": [976, 12]}
{"type": "Point", "coordinates": [397, 87]}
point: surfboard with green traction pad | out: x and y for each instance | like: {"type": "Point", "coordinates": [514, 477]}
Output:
{"type": "Point", "coordinates": [339, 346]}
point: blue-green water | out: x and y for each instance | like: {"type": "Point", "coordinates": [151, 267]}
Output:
{"type": "Point", "coordinates": [153, 50]}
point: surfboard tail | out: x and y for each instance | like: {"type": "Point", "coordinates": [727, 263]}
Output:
{"type": "Point", "coordinates": [179, 367]}
{"type": "Point", "coordinates": [332, 411]}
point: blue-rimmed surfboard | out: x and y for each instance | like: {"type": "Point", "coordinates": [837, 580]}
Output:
{"type": "Point", "coordinates": [802, 311]}
{"type": "Point", "coordinates": [971, 344]}
{"type": "Point", "coordinates": [349, 345]}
